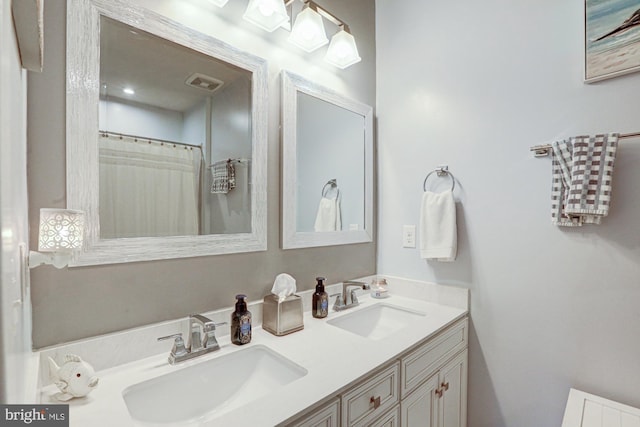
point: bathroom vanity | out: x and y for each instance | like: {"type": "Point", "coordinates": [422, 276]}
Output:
{"type": "Point", "coordinates": [396, 361]}
{"type": "Point", "coordinates": [425, 386]}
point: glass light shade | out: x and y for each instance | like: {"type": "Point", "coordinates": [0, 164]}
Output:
{"type": "Point", "coordinates": [266, 14]}
{"type": "Point", "coordinates": [342, 51]}
{"type": "Point", "coordinates": [61, 230]}
{"type": "Point", "coordinates": [219, 3]}
{"type": "Point", "coordinates": [308, 31]}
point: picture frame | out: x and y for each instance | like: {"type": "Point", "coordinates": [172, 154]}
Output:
{"type": "Point", "coordinates": [611, 38]}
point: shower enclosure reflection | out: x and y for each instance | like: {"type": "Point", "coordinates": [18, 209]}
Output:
{"type": "Point", "coordinates": [175, 138]}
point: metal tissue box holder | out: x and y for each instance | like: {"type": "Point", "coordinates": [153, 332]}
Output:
{"type": "Point", "coordinates": [282, 318]}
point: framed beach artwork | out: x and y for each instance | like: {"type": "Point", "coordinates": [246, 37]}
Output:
{"type": "Point", "coordinates": [612, 38]}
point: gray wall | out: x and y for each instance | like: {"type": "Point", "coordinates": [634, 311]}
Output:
{"type": "Point", "coordinates": [474, 85]}
{"type": "Point", "coordinates": [74, 303]}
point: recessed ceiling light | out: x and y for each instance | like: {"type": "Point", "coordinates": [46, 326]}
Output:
{"type": "Point", "coordinates": [129, 91]}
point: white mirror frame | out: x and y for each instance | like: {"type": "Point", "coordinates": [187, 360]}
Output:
{"type": "Point", "coordinates": [83, 81]}
{"type": "Point", "coordinates": [293, 84]}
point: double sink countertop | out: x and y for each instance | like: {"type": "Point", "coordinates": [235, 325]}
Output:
{"type": "Point", "coordinates": [333, 358]}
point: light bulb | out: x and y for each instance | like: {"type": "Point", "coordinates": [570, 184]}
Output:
{"type": "Point", "coordinates": [266, 14]}
{"type": "Point", "coordinates": [342, 51]}
{"type": "Point", "coordinates": [266, 9]}
{"type": "Point", "coordinates": [308, 31]}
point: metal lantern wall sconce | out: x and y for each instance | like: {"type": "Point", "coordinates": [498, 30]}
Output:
{"type": "Point", "coordinates": [308, 31]}
{"type": "Point", "coordinates": [60, 235]}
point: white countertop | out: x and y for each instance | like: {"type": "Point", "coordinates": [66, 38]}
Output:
{"type": "Point", "coordinates": [333, 358]}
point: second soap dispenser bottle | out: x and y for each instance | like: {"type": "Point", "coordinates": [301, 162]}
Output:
{"type": "Point", "coordinates": [241, 322]}
{"type": "Point", "coordinates": [320, 307]}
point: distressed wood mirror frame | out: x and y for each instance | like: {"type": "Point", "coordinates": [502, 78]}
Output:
{"type": "Point", "coordinates": [293, 84]}
{"type": "Point", "coordinates": [83, 85]}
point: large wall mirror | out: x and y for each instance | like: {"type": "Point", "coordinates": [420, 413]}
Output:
{"type": "Point", "coordinates": [166, 137]}
{"type": "Point", "coordinates": [327, 181]}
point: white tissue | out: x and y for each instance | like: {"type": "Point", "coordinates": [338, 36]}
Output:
{"type": "Point", "coordinates": [283, 286]}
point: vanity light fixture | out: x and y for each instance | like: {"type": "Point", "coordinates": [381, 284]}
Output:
{"type": "Point", "coordinates": [267, 14]}
{"type": "Point", "coordinates": [342, 51]}
{"type": "Point", "coordinates": [61, 233]}
{"type": "Point", "coordinates": [308, 31]}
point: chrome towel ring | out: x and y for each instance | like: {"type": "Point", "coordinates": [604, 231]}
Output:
{"type": "Point", "coordinates": [440, 171]}
{"type": "Point", "coordinates": [332, 183]}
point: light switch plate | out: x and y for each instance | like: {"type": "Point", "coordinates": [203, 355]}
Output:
{"type": "Point", "coordinates": [409, 236]}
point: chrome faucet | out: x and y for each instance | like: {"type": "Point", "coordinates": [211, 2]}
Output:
{"type": "Point", "coordinates": [348, 299]}
{"type": "Point", "coordinates": [202, 339]}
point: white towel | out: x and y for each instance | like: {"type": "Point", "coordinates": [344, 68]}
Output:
{"type": "Point", "coordinates": [328, 217]}
{"type": "Point", "coordinates": [438, 231]}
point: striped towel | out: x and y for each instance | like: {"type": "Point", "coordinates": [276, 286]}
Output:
{"type": "Point", "coordinates": [582, 175]}
{"type": "Point", "coordinates": [223, 177]}
{"type": "Point", "coordinates": [561, 165]}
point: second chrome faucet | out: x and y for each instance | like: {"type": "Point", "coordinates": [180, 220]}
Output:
{"type": "Point", "coordinates": [348, 299]}
{"type": "Point", "coordinates": [202, 339]}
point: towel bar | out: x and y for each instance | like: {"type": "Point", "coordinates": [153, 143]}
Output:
{"type": "Point", "coordinates": [440, 171]}
{"type": "Point", "coordinates": [544, 150]}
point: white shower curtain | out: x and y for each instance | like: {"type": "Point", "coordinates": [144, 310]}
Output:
{"type": "Point", "coordinates": [148, 189]}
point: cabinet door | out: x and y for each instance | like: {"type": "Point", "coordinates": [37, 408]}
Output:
{"type": "Point", "coordinates": [419, 409]}
{"type": "Point", "coordinates": [452, 411]}
{"type": "Point", "coordinates": [424, 361]}
{"type": "Point", "coordinates": [326, 416]}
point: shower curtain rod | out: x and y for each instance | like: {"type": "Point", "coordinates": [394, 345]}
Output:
{"type": "Point", "coordinates": [107, 134]}
{"type": "Point", "coordinates": [237, 160]}
{"type": "Point", "coordinates": [544, 149]}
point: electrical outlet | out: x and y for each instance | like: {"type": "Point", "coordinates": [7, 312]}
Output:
{"type": "Point", "coordinates": [409, 236]}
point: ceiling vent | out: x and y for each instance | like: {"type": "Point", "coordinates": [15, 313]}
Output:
{"type": "Point", "coordinates": [203, 82]}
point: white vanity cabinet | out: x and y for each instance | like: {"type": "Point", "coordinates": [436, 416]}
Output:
{"type": "Point", "coordinates": [441, 401]}
{"type": "Point", "coordinates": [434, 381]}
{"type": "Point", "coordinates": [326, 416]}
{"type": "Point", "coordinates": [425, 386]}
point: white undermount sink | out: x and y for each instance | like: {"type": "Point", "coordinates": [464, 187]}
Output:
{"type": "Point", "coordinates": [378, 321]}
{"type": "Point", "coordinates": [210, 388]}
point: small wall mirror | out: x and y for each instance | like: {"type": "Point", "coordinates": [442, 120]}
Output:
{"type": "Point", "coordinates": [327, 145]}
{"type": "Point", "coordinates": [166, 137]}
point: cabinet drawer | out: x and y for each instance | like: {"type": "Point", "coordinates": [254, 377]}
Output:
{"type": "Point", "coordinates": [325, 416]}
{"type": "Point", "coordinates": [371, 398]}
{"type": "Point", "coordinates": [390, 419]}
{"type": "Point", "coordinates": [422, 362]}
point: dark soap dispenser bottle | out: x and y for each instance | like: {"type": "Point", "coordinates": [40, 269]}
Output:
{"type": "Point", "coordinates": [241, 322]}
{"type": "Point", "coordinates": [320, 300]}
